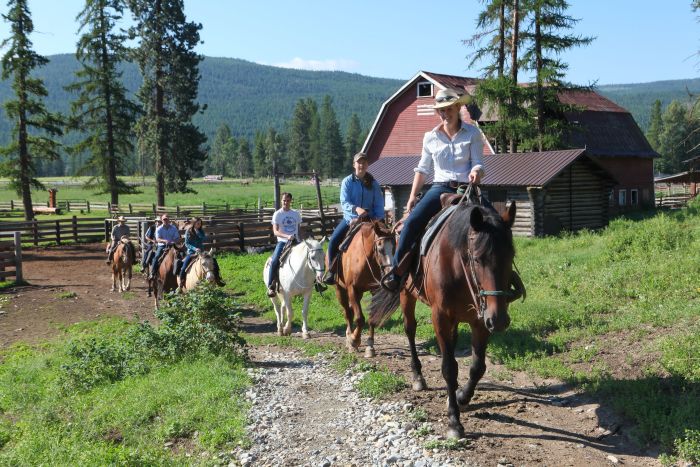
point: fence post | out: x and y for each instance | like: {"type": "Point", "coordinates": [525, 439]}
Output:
{"type": "Point", "coordinates": [87, 202]}
{"type": "Point", "coordinates": [131, 209]}
{"type": "Point", "coordinates": [12, 205]}
{"type": "Point", "coordinates": [68, 206]}
{"type": "Point", "coordinates": [75, 229]}
{"type": "Point", "coordinates": [109, 207]}
{"type": "Point", "coordinates": [18, 257]}
{"type": "Point", "coordinates": [177, 211]}
{"type": "Point", "coordinates": [204, 208]}
{"type": "Point", "coordinates": [241, 237]}
{"type": "Point", "coordinates": [35, 232]}
{"type": "Point", "coordinates": [227, 207]}
{"type": "Point", "coordinates": [58, 232]}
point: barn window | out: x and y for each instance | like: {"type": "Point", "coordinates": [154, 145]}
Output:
{"type": "Point", "coordinates": [425, 89]}
{"type": "Point", "coordinates": [622, 198]}
{"type": "Point", "coordinates": [634, 197]}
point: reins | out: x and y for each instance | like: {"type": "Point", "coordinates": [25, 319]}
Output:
{"type": "Point", "coordinates": [382, 266]}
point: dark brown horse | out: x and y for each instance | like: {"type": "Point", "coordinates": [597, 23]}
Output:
{"type": "Point", "coordinates": [164, 279]}
{"type": "Point", "coordinates": [122, 261]}
{"type": "Point", "coordinates": [366, 260]}
{"type": "Point", "coordinates": [466, 276]}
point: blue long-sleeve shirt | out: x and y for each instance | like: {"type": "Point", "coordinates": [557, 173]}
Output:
{"type": "Point", "coordinates": [194, 239]}
{"type": "Point", "coordinates": [353, 194]}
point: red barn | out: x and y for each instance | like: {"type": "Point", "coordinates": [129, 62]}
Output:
{"type": "Point", "coordinates": [608, 133]}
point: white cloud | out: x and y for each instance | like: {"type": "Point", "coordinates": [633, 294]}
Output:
{"type": "Point", "coordinates": [319, 65]}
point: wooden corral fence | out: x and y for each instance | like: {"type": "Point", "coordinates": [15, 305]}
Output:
{"type": "Point", "coordinates": [673, 201]}
{"type": "Point", "coordinates": [73, 230]}
{"type": "Point", "coordinates": [11, 258]}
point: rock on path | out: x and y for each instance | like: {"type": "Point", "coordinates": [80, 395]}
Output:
{"type": "Point", "coordinates": [303, 412]}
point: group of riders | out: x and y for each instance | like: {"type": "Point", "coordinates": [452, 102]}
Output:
{"type": "Point", "coordinates": [160, 236]}
{"type": "Point", "coordinates": [452, 150]}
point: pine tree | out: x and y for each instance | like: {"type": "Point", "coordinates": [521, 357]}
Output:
{"type": "Point", "coordinates": [276, 148]}
{"type": "Point", "coordinates": [314, 136]}
{"type": "Point", "coordinates": [673, 139]}
{"type": "Point", "coordinates": [544, 34]}
{"type": "Point", "coordinates": [218, 154]}
{"type": "Point", "coordinates": [331, 143]}
{"type": "Point", "coordinates": [353, 142]}
{"type": "Point", "coordinates": [244, 160]}
{"type": "Point", "coordinates": [102, 110]}
{"type": "Point", "coordinates": [299, 149]}
{"type": "Point", "coordinates": [655, 125]}
{"type": "Point", "coordinates": [170, 70]}
{"type": "Point", "coordinates": [27, 110]}
{"type": "Point", "coordinates": [260, 157]}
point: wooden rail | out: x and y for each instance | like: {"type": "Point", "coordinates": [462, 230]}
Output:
{"type": "Point", "coordinates": [58, 231]}
{"type": "Point", "coordinates": [11, 258]}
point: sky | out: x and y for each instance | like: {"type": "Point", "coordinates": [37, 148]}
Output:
{"type": "Point", "coordinates": [636, 40]}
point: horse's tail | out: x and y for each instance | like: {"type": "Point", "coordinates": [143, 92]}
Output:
{"type": "Point", "coordinates": [382, 306]}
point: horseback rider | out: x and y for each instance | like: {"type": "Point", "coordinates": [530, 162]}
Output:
{"type": "Point", "coordinates": [120, 230]}
{"type": "Point", "coordinates": [194, 243]}
{"type": "Point", "coordinates": [285, 225]}
{"type": "Point", "coordinates": [454, 150]}
{"type": "Point", "coordinates": [360, 197]}
{"type": "Point", "coordinates": [149, 241]}
{"type": "Point", "coordinates": [166, 235]}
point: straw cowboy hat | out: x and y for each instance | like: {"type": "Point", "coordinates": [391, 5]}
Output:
{"type": "Point", "coordinates": [121, 219]}
{"type": "Point", "coordinates": [447, 97]}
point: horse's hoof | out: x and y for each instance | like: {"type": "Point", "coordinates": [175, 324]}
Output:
{"type": "Point", "coordinates": [369, 352]}
{"type": "Point", "coordinates": [455, 432]}
{"type": "Point", "coordinates": [280, 333]}
{"type": "Point", "coordinates": [419, 384]}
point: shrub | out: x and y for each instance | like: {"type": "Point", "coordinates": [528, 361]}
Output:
{"type": "Point", "coordinates": [688, 448]}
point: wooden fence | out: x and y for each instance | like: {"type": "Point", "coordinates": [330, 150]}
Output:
{"type": "Point", "coordinates": [11, 258]}
{"type": "Point", "coordinates": [73, 230]}
{"type": "Point", "coordinates": [673, 201]}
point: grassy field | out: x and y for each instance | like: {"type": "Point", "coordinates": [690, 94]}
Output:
{"type": "Point", "coordinates": [232, 192]}
{"type": "Point", "coordinates": [632, 289]}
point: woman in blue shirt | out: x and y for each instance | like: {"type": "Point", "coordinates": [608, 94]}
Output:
{"type": "Point", "coordinates": [360, 196]}
{"type": "Point", "coordinates": [194, 243]}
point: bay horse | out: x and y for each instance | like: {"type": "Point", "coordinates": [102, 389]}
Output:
{"type": "Point", "coordinates": [200, 268]}
{"type": "Point", "coordinates": [366, 260]}
{"type": "Point", "coordinates": [122, 262]}
{"type": "Point", "coordinates": [302, 269]}
{"type": "Point", "coordinates": [467, 273]}
{"type": "Point", "coordinates": [164, 279]}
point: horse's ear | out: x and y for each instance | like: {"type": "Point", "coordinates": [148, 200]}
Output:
{"type": "Point", "coordinates": [211, 251]}
{"type": "Point", "coordinates": [509, 216]}
{"type": "Point", "coordinates": [324, 239]}
{"type": "Point", "coordinates": [476, 219]}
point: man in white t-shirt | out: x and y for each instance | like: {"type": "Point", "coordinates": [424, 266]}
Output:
{"type": "Point", "coordinates": [285, 225]}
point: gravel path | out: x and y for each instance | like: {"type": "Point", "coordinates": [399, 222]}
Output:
{"type": "Point", "coordinates": [305, 413]}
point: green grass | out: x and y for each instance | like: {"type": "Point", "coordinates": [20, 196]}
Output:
{"type": "Point", "coordinates": [118, 393]}
{"type": "Point", "coordinates": [66, 295]}
{"type": "Point", "coordinates": [379, 383]}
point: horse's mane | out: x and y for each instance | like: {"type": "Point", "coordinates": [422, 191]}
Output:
{"type": "Point", "coordinates": [130, 251]}
{"type": "Point", "coordinates": [459, 231]}
{"type": "Point", "coordinates": [380, 229]}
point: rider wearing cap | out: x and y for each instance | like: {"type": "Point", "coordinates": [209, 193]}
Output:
{"type": "Point", "coordinates": [166, 235]}
{"type": "Point", "coordinates": [453, 149]}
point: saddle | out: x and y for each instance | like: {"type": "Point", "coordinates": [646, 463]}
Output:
{"type": "Point", "coordinates": [287, 250]}
{"type": "Point", "coordinates": [355, 226]}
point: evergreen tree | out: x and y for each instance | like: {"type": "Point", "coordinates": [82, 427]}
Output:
{"type": "Point", "coordinates": [219, 155]}
{"type": "Point", "coordinates": [275, 147]}
{"type": "Point", "coordinates": [331, 143]}
{"type": "Point", "coordinates": [102, 112]}
{"type": "Point", "coordinates": [299, 149]}
{"type": "Point", "coordinates": [27, 110]}
{"type": "Point", "coordinates": [170, 70]}
{"type": "Point", "coordinates": [547, 43]}
{"type": "Point", "coordinates": [673, 139]}
{"type": "Point", "coordinates": [353, 142]}
{"type": "Point", "coordinates": [244, 159]}
{"type": "Point", "coordinates": [260, 158]}
{"type": "Point", "coordinates": [314, 136]}
{"type": "Point", "coordinates": [655, 125]}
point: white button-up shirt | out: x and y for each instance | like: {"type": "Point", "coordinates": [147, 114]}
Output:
{"type": "Point", "coordinates": [452, 159]}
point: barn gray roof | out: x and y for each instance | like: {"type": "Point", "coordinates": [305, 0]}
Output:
{"type": "Point", "coordinates": [519, 169]}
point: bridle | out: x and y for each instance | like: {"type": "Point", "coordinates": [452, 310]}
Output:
{"type": "Point", "coordinates": [309, 255]}
{"type": "Point", "coordinates": [378, 254]}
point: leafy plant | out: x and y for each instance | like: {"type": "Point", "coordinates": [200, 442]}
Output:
{"type": "Point", "coordinates": [688, 447]}
{"type": "Point", "coordinates": [379, 383]}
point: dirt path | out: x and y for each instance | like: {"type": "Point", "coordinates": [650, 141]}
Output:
{"type": "Point", "coordinates": [514, 418]}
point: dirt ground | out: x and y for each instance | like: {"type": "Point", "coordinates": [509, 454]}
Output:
{"type": "Point", "coordinates": [513, 419]}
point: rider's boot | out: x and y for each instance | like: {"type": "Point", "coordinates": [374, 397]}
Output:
{"type": "Point", "coordinates": [271, 289]}
{"type": "Point", "coordinates": [217, 275]}
{"type": "Point", "coordinates": [329, 278]}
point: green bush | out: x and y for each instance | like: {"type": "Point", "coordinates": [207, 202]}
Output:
{"type": "Point", "coordinates": [201, 322]}
{"type": "Point", "coordinates": [688, 448]}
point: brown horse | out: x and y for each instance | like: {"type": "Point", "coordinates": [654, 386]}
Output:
{"type": "Point", "coordinates": [366, 260]}
{"type": "Point", "coordinates": [466, 277]}
{"type": "Point", "coordinates": [164, 279]}
{"type": "Point", "coordinates": [122, 261]}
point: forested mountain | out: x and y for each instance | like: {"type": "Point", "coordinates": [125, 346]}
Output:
{"type": "Point", "coordinates": [249, 97]}
{"type": "Point", "coordinates": [639, 97]}
{"type": "Point", "coordinates": [246, 96]}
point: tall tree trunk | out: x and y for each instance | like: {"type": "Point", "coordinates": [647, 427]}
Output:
{"type": "Point", "coordinates": [107, 92]}
{"type": "Point", "coordinates": [159, 117]}
{"type": "Point", "coordinates": [501, 136]}
{"type": "Point", "coordinates": [514, 66]}
{"type": "Point", "coordinates": [24, 175]}
{"type": "Point", "coordinates": [539, 83]}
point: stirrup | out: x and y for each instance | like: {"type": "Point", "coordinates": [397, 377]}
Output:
{"type": "Point", "coordinates": [391, 281]}
{"type": "Point", "coordinates": [329, 278]}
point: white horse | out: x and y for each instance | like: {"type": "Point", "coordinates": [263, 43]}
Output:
{"type": "Point", "coordinates": [303, 267]}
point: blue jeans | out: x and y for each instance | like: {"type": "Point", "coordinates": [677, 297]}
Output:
{"type": "Point", "coordinates": [185, 263]}
{"type": "Point", "coordinates": [275, 264]}
{"type": "Point", "coordinates": [336, 238]}
{"type": "Point", "coordinates": [156, 257]}
{"type": "Point", "coordinates": [418, 219]}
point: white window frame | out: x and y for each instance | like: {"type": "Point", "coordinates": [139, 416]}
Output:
{"type": "Point", "coordinates": [418, 88]}
{"type": "Point", "coordinates": [622, 197]}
